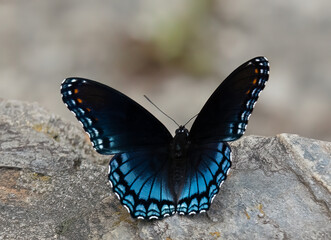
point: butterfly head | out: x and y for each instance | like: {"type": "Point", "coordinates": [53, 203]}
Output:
{"type": "Point", "coordinates": [182, 130]}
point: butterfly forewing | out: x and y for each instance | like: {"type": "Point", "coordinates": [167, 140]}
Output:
{"type": "Point", "coordinates": [114, 122]}
{"type": "Point", "coordinates": [225, 115]}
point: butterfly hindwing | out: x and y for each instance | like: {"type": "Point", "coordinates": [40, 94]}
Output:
{"type": "Point", "coordinates": [225, 115]}
{"type": "Point", "coordinates": [140, 181]}
{"type": "Point", "coordinates": [208, 167]}
{"type": "Point", "coordinates": [114, 122]}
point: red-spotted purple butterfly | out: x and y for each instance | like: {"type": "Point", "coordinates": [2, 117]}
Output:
{"type": "Point", "coordinates": [154, 174]}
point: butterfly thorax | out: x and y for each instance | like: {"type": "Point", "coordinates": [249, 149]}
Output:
{"type": "Point", "coordinates": [178, 158]}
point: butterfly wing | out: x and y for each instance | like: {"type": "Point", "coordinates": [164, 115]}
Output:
{"type": "Point", "coordinates": [208, 168]}
{"type": "Point", "coordinates": [114, 122]}
{"type": "Point", "coordinates": [223, 118]}
{"type": "Point", "coordinates": [139, 179]}
{"type": "Point", "coordinates": [118, 125]}
{"type": "Point", "coordinates": [225, 115]}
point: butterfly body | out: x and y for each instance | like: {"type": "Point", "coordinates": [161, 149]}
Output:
{"type": "Point", "coordinates": [153, 174]}
{"type": "Point", "coordinates": [178, 159]}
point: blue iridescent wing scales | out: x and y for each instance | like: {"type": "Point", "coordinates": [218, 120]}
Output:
{"type": "Point", "coordinates": [208, 167]}
{"type": "Point", "coordinates": [140, 181]}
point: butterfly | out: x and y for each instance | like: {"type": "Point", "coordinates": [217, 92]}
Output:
{"type": "Point", "coordinates": [154, 174]}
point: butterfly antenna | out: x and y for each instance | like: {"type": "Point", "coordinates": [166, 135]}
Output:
{"type": "Point", "coordinates": [191, 119]}
{"type": "Point", "coordinates": [161, 110]}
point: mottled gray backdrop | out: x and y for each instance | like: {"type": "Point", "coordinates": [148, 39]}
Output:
{"type": "Point", "coordinates": [176, 52]}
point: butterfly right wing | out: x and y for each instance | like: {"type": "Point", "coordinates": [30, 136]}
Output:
{"type": "Point", "coordinates": [140, 181]}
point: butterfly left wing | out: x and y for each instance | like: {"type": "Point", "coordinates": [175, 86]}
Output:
{"type": "Point", "coordinates": [140, 180]}
{"type": "Point", "coordinates": [208, 167]}
{"type": "Point", "coordinates": [114, 122]}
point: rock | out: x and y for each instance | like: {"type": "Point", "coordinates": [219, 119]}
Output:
{"type": "Point", "coordinates": [53, 185]}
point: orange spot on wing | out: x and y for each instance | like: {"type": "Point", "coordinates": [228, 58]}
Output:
{"type": "Point", "coordinates": [255, 80]}
{"type": "Point", "coordinates": [248, 91]}
{"type": "Point", "coordinates": [256, 70]}
{"type": "Point", "coordinates": [76, 90]}
{"type": "Point", "coordinates": [88, 109]}
{"type": "Point", "coordinates": [79, 100]}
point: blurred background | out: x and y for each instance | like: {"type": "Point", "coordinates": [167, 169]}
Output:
{"type": "Point", "coordinates": [175, 52]}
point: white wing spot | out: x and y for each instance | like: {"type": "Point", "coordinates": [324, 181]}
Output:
{"type": "Point", "coordinates": [212, 199]}
{"type": "Point", "coordinates": [127, 208]}
{"type": "Point", "coordinates": [118, 196]}
{"type": "Point", "coordinates": [221, 184]}
{"type": "Point", "coordinates": [73, 113]}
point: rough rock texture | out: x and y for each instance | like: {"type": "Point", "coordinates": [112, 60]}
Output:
{"type": "Point", "coordinates": [54, 186]}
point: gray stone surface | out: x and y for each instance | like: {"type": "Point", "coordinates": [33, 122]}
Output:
{"type": "Point", "coordinates": [54, 186]}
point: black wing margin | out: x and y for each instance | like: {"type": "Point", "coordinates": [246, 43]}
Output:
{"type": "Point", "coordinates": [225, 115]}
{"type": "Point", "coordinates": [114, 122]}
